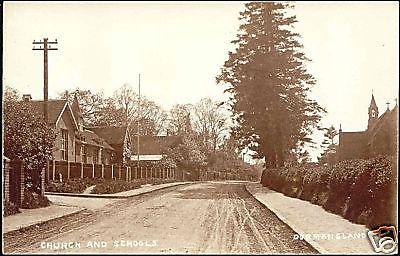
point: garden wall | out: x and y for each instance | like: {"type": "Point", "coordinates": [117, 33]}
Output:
{"type": "Point", "coordinates": [362, 191]}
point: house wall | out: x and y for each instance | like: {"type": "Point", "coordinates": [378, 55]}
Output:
{"type": "Point", "coordinates": [65, 122]}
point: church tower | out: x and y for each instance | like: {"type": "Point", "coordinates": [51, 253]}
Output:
{"type": "Point", "coordinates": [372, 112]}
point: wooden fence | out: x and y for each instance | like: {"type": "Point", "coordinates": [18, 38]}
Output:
{"type": "Point", "coordinates": [61, 170]}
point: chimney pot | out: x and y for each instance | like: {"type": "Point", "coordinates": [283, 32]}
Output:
{"type": "Point", "coordinates": [26, 97]}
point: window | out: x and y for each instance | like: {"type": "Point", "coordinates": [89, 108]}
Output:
{"type": "Point", "coordinates": [84, 154]}
{"type": "Point", "coordinates": [64, 144]}
{"type": "Point", "coordinates": [95, 156]}
{"type": "Point", "coordinates": [78, 149]}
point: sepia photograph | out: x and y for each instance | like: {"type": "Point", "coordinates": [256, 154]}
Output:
{"type": "Point", "coordinates": [200, 127]}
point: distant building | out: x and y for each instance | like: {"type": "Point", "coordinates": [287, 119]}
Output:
{"type": "Point", "coordinates": [152, 148]}
{"type": "Point", "coordinates": [380, 137]}
{"type": "Point", "coordinates": [117, 137]}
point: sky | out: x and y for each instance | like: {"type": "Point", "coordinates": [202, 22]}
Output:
{"type": "Point", "coordinates": [179, 48]}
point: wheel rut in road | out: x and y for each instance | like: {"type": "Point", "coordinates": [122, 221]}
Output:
{"type": "Point", "coordinates": [209, 217]}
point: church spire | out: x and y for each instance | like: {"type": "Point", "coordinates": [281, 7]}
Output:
{"type": "Point", "coordinates": [372, 112]}
{"type": "Point", "coordinates": [373, 103]}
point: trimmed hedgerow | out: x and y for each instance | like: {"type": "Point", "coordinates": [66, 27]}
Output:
{"type": "Point", "coordinates": [115, 186]}
{"type": "Point", "coordinates": [362, 191]}
{"type": "Point", "coordinates": [72, 185]}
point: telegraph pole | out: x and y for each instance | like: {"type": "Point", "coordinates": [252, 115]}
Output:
{"type": "Point", "coordinates": [138, 130]}
{"type": "Point", "coordinates": [45, 46]}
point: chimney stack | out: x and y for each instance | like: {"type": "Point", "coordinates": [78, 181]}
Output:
{"type": "Point", "coordinates": [26, 97]}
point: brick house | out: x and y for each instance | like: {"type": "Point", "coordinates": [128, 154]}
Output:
{"type": "Point", "coordinates": [380, 137]}
{"type": "Point", "coordinates": [118, 138]}
{"type": "Point", "coordinates": [73, 143]}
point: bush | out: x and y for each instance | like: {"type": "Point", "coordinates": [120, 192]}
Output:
{"type": "Point", "coordinates": [115, 186]}
{"type": "Point", "coordinates": [363, 191]}
{"type": "Point", "coordinates": [72, 185]}
{"type": "Point", "coordinates": [34, 200]}
{"type": "Point", "coordinates": [10, 209]}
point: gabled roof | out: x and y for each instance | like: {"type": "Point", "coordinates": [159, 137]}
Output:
{"type": "Point", "coordinates": [154, 145]}
{"type": "Point", "coordinates": [112, 134]}
{"type": "Point", "coordinates": [388, 116]}
{"type": "Point", "coordinates": [55, 107]}
{"type": "Point", "coordinates": [93, 139]}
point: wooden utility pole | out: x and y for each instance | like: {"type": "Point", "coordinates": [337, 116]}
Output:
{"type": "Point", "coordinates": [46, 47]}
{"type": "Point", "coordinates": [138, 130]}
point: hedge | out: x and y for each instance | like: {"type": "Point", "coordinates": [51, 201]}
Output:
{"type": "Point", "coordinates": [362, 191]}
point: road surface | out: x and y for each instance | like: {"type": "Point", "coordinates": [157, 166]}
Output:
{"type": "Point", "coordinates": [213, 217]}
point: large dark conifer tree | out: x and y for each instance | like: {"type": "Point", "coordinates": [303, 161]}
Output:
{"type": "Point", "coordinates": [269, 83]}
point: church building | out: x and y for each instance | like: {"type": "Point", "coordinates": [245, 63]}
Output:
{"type": "Point", "coordinates": [380, 137]}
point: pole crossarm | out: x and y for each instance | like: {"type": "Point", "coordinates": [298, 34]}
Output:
{"type": "Point", "coordinates": [46, 47]}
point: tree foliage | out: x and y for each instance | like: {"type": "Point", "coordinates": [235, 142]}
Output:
{"type": "Point", "coordinates": [210, 123]}
{"type": "Point", "coordinates": [329, 145]}
{"type": "Point", "coordinates": [27, 137]}
{"type": "Point", "coordinates": [269, 84]}
{"type": "Point", "coordinates": [180, 120]}
{"type": "Point", "coordinates": [186, 155]}
{"type": "Point", "coordinates": [90, 103]}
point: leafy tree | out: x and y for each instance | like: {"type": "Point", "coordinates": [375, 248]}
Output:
{"type": "Point", "coordinates": [27, 137]}
{"type": "Point", "coordinates": [209, 123]}
{"type": "Point", "coordinates": [179, 119]}
{"type": "Point", "coordinates": [128, 100]}
{"type": "Point", "coordinates": [329, 136]}
{"type": "Point", "coordinates": [90, 103]}
{"type": "Point", "coordinates": [110, 115]}
{"type": "Point", "coordinates": [186, 155]}
{"type": "Point", "coordinates": [329, 145]}
{"type": "Point", "coordinates": [269, 84]}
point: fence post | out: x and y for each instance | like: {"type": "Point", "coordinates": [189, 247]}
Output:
{"type": "Point", "coordinates": [54, 169]}
{"type": "Point", "coordinates": [141, 172]}
{"type": "Point", "coordinates": [126, 175]}
{"type": "Point", "coordinates": [112, 171]}
{"type": "Point", "coordinates": [68, 170]}
{"type": "Point", "coordinates": [119, 172]}
{"type": "Point", "coordinates": [92, 170]}
{"type": "Point", "coordinates": [81, 170]}
{"type": "Point", "coordinates": [102, 171]}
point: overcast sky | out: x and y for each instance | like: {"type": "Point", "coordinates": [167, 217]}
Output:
{"type": "Point", "coordinates": [179, 48]}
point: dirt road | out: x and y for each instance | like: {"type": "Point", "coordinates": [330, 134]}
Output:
{"type": "Point", "coordinates": [198, 218]}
